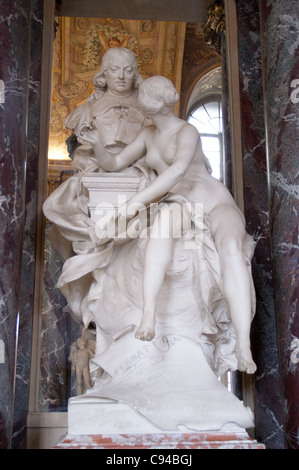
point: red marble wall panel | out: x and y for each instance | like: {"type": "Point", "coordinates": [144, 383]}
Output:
{"type": "Point", "coordinates": [280, 27]}
{"type": "Point", "coordinates": [14, 61]}
{"type": "Point", "coordinates": [268, 406]}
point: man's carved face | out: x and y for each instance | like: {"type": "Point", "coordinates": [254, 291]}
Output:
{"type": "Point", "coordinates": [119, 75]}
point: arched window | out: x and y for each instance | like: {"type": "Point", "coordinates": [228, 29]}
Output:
{"type": "Point", "coordinates": [204, 111]}
{"type": "Point", "coordinates": [206, 116]}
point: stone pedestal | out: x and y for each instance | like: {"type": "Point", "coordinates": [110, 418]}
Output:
{"type": "Point", "coordinates": [98, 423]}
{"type": "Point", "coordinates": [108, 191]}
{"type": "Point", "coordinates": [188, 441]}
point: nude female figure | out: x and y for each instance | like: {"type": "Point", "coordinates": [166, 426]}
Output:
{"type": "Point", "coordinates": [173, 149]}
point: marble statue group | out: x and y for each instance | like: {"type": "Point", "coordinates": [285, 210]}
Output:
{"type": "Point", "coordinates": [164, 277]}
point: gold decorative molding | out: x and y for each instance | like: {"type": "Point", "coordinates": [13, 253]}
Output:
{"type": "Point", "coordinates": [58, 172]}
{"type": "Point", "coordinates": [214, 28]}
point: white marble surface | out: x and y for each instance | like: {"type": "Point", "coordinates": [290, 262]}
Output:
{"type": "Point", "coordinates": [94, 415]}
{"type": "Point", "coordinates": [91, 415]}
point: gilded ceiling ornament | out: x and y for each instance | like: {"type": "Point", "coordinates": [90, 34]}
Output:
{"type": "Point", "coordinates": [100, 38]}
{"type": "Point", "coordinates": [147, 26]}
{"type": "Point", "coordinates": [82, 23]}
{"type": "Point", "coordinates": [214, 27]}
{"type": "Point", "coordinates": [146, 56]}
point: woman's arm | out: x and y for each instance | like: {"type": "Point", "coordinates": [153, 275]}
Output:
{"type": "Point", "coordinates": [187, 142]}
{"type": "Point", "coordinates": [107, 160]}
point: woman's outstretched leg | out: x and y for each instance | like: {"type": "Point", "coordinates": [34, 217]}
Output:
{"type": "Point", "coordinates": [229, 234]}
{"type": "Point", "coordinates": [236, 284]}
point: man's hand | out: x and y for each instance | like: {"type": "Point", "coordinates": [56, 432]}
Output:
{"type": "Point", "coordinates": [88, 134]}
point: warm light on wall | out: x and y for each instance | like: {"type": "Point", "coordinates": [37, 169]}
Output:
{"type": "Point", "coordinates": [58, 152]}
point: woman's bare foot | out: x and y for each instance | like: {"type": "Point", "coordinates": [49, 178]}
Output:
{"type": "Point", "coordinates": [146, 330]}
{"type": "Point", "coordinates": [245, 361]}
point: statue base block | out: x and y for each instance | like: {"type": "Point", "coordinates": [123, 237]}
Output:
{"type": "Point", "coordinates": [200, 440]}
{"type": "Point", "coordinates": [98, 423]}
